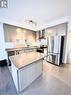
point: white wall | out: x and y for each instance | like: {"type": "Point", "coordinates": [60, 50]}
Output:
{"type": "Point", "coordinates": [69, 23]}
{"type": "Point", "coordinates": [68, 42]}
{"type": "Point", "coordinates": [3, 54]}
{"type": "Point", "coordinates": [69, 48]}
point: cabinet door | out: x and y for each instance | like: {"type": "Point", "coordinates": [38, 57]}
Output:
{"type": "Point", "coordinates": [29, 73]}
{"type": "Point", "coordinates": [31, 36]}
{"type": "Point", "coordinates": [43, 33]}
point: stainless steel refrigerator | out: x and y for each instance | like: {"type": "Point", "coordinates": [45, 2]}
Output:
{"type": "Point", "coordinates": [55, 46]}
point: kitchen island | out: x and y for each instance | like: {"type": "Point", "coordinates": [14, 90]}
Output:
{"type": "Point", "coordinates": [19, 50]}
{"type": "Point", "coordinates": [26, 68]}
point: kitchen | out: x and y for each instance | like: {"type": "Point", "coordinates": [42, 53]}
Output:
{"type": "Point", "coordinates": [23, 40]}
{"type": "Point", "coordinates": [34, 56]}
{"type": "Point", "coordinates": [21, 44]}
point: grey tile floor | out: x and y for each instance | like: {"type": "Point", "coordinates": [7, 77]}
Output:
{"type": "Point", "coordinates": [54, 81]}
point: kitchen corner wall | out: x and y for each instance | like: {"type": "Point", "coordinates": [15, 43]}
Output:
{"type": "Point", "coordinates": [3, 54]}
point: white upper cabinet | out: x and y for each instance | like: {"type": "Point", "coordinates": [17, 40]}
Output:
{"type": "Point", "coordinates": [62, 29]}
{"type": "Point", "coordinates": [56, 30]}
{"type": "Point", "coordinates": [50, 32]}
{"type": "Point", "coordinates": [17, 34]}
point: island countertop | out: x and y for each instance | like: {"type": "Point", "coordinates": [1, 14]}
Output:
{"type": "Point", "coordinates": [25, 59]}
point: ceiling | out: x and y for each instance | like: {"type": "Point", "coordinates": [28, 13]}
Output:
{"type": "Point", "coordinates": [40, 11]}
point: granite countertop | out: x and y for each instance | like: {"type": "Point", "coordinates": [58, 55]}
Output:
{"type": "Point", "coordinates": [25, 59]}
{"type": "Point", "coordinates": [20, 48]}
